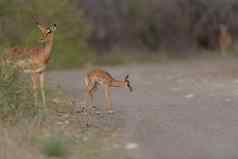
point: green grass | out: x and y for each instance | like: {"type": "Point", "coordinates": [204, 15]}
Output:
{"type": "Point", "coordinates": [16, 95]}
{"type": "Point", "coordinates": [54, 146]}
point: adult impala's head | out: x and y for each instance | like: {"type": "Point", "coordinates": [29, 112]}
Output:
{"type": "Point", "coordinates": [127, 83]}
{"type": "Point", "coordinates": [47, 33]}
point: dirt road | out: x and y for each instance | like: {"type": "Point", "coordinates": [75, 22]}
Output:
{"type": "Point", "coordinates": [178, 110]}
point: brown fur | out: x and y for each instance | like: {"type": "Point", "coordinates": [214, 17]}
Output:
{"type": "Point", "coordinates": [34, 60]}
{"type": "Point", "coordinates": [103, 78]}
{"type": "Point", "coordinates": [225, 38]}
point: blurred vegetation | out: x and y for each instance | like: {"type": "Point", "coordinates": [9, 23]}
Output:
{"type": "Point", "coordinates": [88, 29]}
{"type": "Point", "coordinates": [160, 24]}
{"type": "Point", "coordinates": [70, 42]}
{"type": "Point", "coordinates": [54, 146]}
{"type": "Point", "coordinates": [16, 96]}
{"type": "Point", "coordinates": [17, 101]}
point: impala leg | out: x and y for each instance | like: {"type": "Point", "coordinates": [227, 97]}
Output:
{"type": "Point", "coordinates": [89, 94]}
{"type": "Point", "coordinates": [108, 99]}
{"type": "Point", "coordinates": [86, 95]}
{"type": "Point", "coordinates": [89, 91]}
{"type": "Point", "coordinates": [42, 88]}
{"type": "Point", "coordinates": [86, 92]}
{"type": "Point", "coordinates": [35, 80]}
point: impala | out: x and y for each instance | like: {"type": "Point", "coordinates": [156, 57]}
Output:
{"type": "Point", "coordinates": [100, 77]}
{"type": "Point", "coordinates": [34, 60]}
{"type": "Point", "coordinates": [225, 38]}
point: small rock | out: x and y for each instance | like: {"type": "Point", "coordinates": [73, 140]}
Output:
{"type": "Point", "coordinates": [227, 100]}
{"type": "Point", "coordinates": [175, 89]}
{"type": "Point", "coordinates": [189, 96]}
{"type": "Point", "coordinates": [131, 146]}
{"type": "Point", "coordinates": [115, 146]}
{"type": "Point", "coordinates": [59, 123]}
{"type": "Point", "coordinates": [66, 122]}
{"type": "Point", "coordinates": [235, 81]}
{"type": "Point", "coordinates": [56, 100]}
{"type": "Point", "coordinates": [65, 116]}
{"type": "Point", "coordinates": [98, 112]}
{"type": "Point", "coordinates": [85, 139]}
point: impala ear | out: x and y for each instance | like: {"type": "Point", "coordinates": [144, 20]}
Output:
{"type": "Point", "coordinates": [35, 19]}
{"type": "Point", "coordinates": [127, 77]}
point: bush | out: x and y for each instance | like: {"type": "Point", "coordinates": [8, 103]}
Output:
{"type": "Point", "coordinates": [54, 147]}
{"type": "Point", "coordinates": [16, 96]}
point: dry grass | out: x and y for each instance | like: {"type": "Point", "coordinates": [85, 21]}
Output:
{"type": "Point", "coordinates": [16, 142]}
{"type": "Point", "coordinates": [64, 133]}
{"type": "Point", "coordinates": [60, 134]}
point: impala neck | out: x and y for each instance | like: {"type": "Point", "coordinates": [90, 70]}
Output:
{"type": "Point", "coordinates": [117, 83]}
{"type": "Point", "coordinates": [49, 45]}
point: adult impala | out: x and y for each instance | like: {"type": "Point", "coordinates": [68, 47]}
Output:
{"type": "Point", "coordinates": [224, 38]}
{"type": "Point", "coordinates": [34, 60]}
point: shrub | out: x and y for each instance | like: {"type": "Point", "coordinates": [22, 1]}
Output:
{"type": "Point", "coordinates": [16, 95]}
{"type": "Point", "coordinates": [54, 147]}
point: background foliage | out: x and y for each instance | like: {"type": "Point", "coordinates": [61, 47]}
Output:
{"type": "Point", "coordinates": [155, 24]}
{"type": "Point", "coordinates": [18, 28]}
{"type": "Point", "coordinates": [90, 29]}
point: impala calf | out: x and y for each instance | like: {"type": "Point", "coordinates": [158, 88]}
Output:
{"type": "Point", "coordinates": [103, 78]}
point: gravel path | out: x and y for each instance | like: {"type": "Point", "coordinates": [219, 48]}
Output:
{"type": "Point", "coordinates": [178, 110]}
